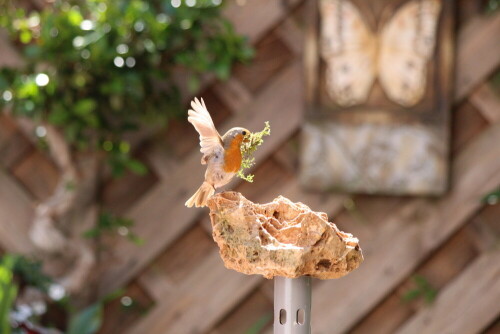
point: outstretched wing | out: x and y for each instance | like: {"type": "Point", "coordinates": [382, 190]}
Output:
{"type": "Point", "coordinates": [349, 49]}
{"type": "Point", "coordinates": [210, 139]}
{"type": "Point", "coordinates": [406, 44]}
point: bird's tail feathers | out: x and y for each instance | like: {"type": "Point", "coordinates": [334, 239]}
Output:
{"type": "Point", "coordinates": [201, 196]}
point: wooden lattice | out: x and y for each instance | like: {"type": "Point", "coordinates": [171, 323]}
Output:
{"type": "Point", "coordinates": [177, 279]}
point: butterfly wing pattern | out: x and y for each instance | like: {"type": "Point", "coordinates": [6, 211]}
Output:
{"type": "Point", "coordinates": [406, 44]}
{"type": "Point", "coordinates": [349, 49]}
{"type": "Point", "coordinates": [398, 55]}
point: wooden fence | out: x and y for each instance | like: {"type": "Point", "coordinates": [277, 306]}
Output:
{"type": "Point", "coordinates": [176, 279]}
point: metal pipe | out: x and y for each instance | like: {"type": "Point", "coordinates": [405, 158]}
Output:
{"type": "Point", "coordinates": [292, 305]}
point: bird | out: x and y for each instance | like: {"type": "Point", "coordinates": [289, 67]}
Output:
{"type": "Point", "coordinates": [221, 154]}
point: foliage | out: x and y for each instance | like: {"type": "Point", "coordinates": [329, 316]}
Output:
{"type": "Point", "coordinates": [86, 321]}
{"type": "Point", "coordinates": [260, 324]}
{"type": "Point", "coordinates": [8, 292]}
{"type": "Point", "coordinates": [17, 270]}
{"type": "Point", "coordinates": [98, 69]}
{"type": "Point", "coordinates": [248, 147]}
{"type": "Point", "coordinates": [423, 289]}
{"type": "Point", "coordinates": [30, 272]}
{"type": "Point", "coordinates": [492, 6]}
{"type": "Point", "coordinates": [111, 223]}
{"type": "Point", "coordinates": [491, 198]}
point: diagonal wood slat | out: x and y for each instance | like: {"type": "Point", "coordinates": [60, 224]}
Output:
{"type": "Point", "coordinates": [478, 290]}
{"type": "Point", "coordinates": [478, 53]}
{"type": "Point", "coordinates": [196, 294]}
{"type": "Point", "coordinates": [487, 101]}
{"type": "Point", "coordinates": [267, 13]}
{"type": "Point", "coordinates": [415, 231]}
{"type": "Point", "coordinates": [15, 216]}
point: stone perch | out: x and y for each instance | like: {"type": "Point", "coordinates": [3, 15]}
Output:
{"type": "Point", "coordinates": [280, 238]}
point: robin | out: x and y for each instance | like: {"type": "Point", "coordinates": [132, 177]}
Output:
{"type": "Point", "coordinates": [222, 155]}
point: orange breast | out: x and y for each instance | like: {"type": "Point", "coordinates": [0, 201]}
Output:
{"type": "Point", "coordinates": [232, 155]}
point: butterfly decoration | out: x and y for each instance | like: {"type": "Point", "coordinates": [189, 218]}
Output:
{"type": "Point", "coordinates": [397, 54]}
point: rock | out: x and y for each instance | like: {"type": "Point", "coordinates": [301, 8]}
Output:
{"type": "Point", "coordinates": [280, 238]}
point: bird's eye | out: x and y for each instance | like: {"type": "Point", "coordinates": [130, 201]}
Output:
{"type": "Point", "coordinates": [244, 133]}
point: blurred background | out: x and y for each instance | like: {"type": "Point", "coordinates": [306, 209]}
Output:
{"type": "Point", "coordinates": [97, 160]}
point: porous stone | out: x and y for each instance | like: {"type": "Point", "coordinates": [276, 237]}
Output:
{"type": "Point", "coordinates": [280, 238]}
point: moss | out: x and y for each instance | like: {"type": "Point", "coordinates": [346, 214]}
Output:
{"type": "Point", "coordinates": [248, 147]}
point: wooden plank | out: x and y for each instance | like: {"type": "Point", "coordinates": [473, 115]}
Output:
{"type": "Point", "coordinates": [233, 93]}
{"type": "Point", "coordinates": [494, 327]}
{"type": "Point", "coordinates": [446, 264]}
{"type": "Point", "coordinates": [467, 305]}
{"type": "Point", "coordinates": [467, 123]}
{"type": "Point", "coordinates": [365, 215]}
{"type": "Point", "coordinates": [293, 35]}
{"type": "Point", "coordinates": [267, 13]}
{"type": "Point", "coordinates": [485, 227]}
{"type": "Point", "coordinates": [487, 101]}
{"type": "Point", "coordinates": [162, 160]}
{"type": "Point", "coordinates": [256, 309]}
{"type": "Point", "coordinates": [119, 317]}
{"type": "Point", "coordinates": [287, 155]}
{"type": "Point", "coordinates": [195, 305]}
{"type": "Point", "coordinates": [272, 55]}
{"type": "Point", "coordinates": [116, 196]}
{"type": "Point", "coordinates": [38, 174]}
{"type": "Point", "coordinates": [467, 10]}
{"type": "Point", "coordinates": [478, 37]}
{"type": "Point", "coordinates": [10, 56]}
{"type": "Point", "coordinates": [414, 231]}
{"type": "Point", "coordinates": [185, 254]}
{"type": "Point", "coordinates": [16, 211]}
{"type": "Point", "coordinates": [13, 145]}
{"type": "Point", "coordinates": [154, 281]}
{"type": "Point", "coordinates": [165, 203]}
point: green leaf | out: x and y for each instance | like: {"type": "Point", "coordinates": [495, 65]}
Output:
{"type": "Point", "coordinates": [28, 90]}
{"type": "Point", "coordinates": [74, 17]}
{"type": "Point", "coordinates": [137, 167]}
{"type": "Point", "coordinates": [31, 272]}
{"type": "Point", "coordinates": [423, 289]}
{"type": "Point", "coordinates": [8, 292]}
{"type": "Point", "coordinates": [32, 51]}
{"type": "Point", "coordinates": [87, 321]}
{"type": "Point", "coordinates": [85, 106]}
{"type": "Point", "coordinates": [248, 147]}
{"type": "Point", "coordinates": [25, 36]}
{"type": "Point", "coordinates": [260, 324]}
{"type": "Point", "coordinates": [411, 295]}
{"type": "Point", "coordinates": [58, 116]}
{"type": "Point", "coordinates": [491, 198]}
{"type": "Point", "coordinates": [193, 83]}
{"type": "Point", "coordinates": [91, 233]}
{"type": "Point", "coordinates": [135, 239]}
{"type": "Point", "coordinates": [223, 69]}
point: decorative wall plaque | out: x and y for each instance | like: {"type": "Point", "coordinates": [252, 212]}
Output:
{"type": "Point", "coordinates": [378, 77]}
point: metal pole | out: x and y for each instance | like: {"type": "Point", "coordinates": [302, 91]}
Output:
{"type": "Point", "coordinates": [292, 305]}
